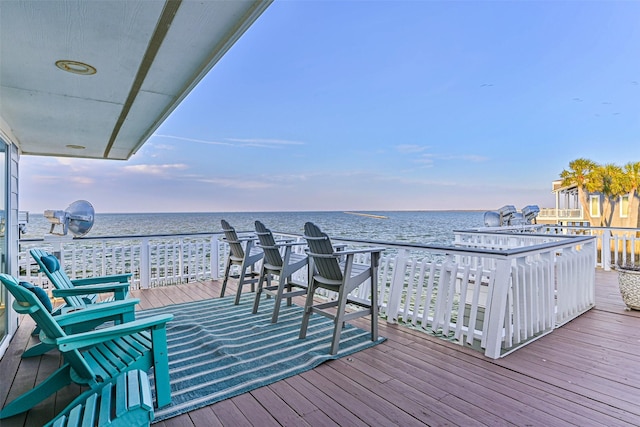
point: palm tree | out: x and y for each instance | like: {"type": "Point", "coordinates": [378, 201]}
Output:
{"type": "Point", "coordinates": [580, 174]}
{"type": "Point", "coordinates": [608, 180]}
{"type": "Point", "coordinates": [631, 184]}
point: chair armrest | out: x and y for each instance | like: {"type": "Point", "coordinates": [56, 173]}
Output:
{"type": "Point", "coordinates": [91, 338]}
{"type": "Point", "coordinates": [280, 244]}
{"type": "Point", "coordinates": [290, 239]}
{"type": "Point", "coordinates": [118, 288]}
{"type": "Point", "coordinates": [114, 278]}
{"type": "Point", "coordinates": [247, 239]}
{"type": "Point", "coordinates": [291, 243]}
{"type": "Point", "coordinates": [357, 251]}
{"type": "Point", "coordinates": [341, 253]}
{"type": "Point", "coordinates": [97, 311]}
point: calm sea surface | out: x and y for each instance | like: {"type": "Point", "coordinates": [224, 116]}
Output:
{"type": "Point", "coordinates": [427, 227]}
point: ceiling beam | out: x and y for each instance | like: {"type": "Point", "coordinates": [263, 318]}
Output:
{"type": "Point", "coordinates": [164, 23]}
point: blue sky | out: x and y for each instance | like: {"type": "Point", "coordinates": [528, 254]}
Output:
{"type": "Point", "coordinates": [382, 105]}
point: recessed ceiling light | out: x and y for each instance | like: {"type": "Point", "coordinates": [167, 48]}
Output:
{"type": "Point", "coordinates": [75, 67]}
{"type": "Point", "coordinates": [75, 147]}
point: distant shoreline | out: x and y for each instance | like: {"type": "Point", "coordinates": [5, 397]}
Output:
{"type": "Point", "coordinates": [368, 215]}
{"type": "Point", "coordinates": [39, 213]}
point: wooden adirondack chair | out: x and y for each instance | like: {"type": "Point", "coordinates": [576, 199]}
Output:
{"type": "Point", "coordinates": [275, 264]}
{"type": "Point", "coordinates": [328, 272]}
{"type": "Point", "coordinates": [244, 255]}
{"type": "Point", "coordinates": [80, 292]}
{"type": "Point", "coordinates": [94, 356]}
{"type": "Point", "coordinates": [124, 401]}
{"type": "Point", "coordinates": [85, 320]}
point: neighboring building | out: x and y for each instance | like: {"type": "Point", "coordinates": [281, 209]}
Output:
{"type": "Point", "coordinates": [569, 210]}
{"type": "Point", "coordinates": [95, 80]}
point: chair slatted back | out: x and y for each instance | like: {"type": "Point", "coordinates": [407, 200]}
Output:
{"type": "Point", "coordinates": [272, 254]}
{"type": "Point", "coordinates": [59, 278]}
{"type": "Point", "coordinates": [231, 237]}
{"type": "Point", "coordinates": [321, 249]}
{"type": "Point", "coordinates": [26, 302]}
{"type": "Point", "coordinates": [123, 401]}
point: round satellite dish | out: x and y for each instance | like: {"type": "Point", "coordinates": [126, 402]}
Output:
{"type": "Point", "coordinates": [81, 215]}
{"type": "Point", "coordinates": [491, 219]}
{"type": "Point", "coordinates": [77, 218]}
{"type": "Point", "coordinates": [517, 219]}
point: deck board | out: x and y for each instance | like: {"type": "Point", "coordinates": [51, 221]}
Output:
{"type": "Point", "coordinates": [584, 374]}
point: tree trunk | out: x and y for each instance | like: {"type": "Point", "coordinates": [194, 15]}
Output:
{"type": "Point", "coordinates": [634, 208]}
{"type": "Point", "coordinates": [584, 202]}
{"type": "Point", "coordinates": [608, 210]}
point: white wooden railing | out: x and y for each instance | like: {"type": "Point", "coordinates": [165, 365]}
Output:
{"type": "Point", "coordinates": [491, 291]}
{"type": "Point", "coordinates": [561, 214]}
{"type": "Point", "coordinates": [155, 260]}
{"type": "Point", "coordinates": [614, 245]}
{"type": "Point", "coordinates": [495, 300]}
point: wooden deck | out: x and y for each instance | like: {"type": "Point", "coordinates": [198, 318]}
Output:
{"type": "Point", "coordinates": [584, 373]}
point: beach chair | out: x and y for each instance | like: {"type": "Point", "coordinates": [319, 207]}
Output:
{"type": "Point", "coordinates": [336, 271]}
{"type": "Point", "coordinates": [95, 356]}
{"type": "Point", "coordinates": [244, 255]}
{"type": "Point", "coordinates": [124, 401]}
{"type": "Point", "coordinates": [79, 293]}
{"type": "Point", "coordinates": [86, 319]}
{"type": "Point", "coordinates": [275, 264]}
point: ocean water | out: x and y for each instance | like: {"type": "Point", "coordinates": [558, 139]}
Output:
{"type": "Point", "coordinates": [426, 227]}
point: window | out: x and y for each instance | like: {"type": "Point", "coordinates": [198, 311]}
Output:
{"type": "Point", "coordinates": [594, 206]}
{"type": "Point", "coordinates": [3, 243]}
{"type": "Point", "coordinates": [624, 206]}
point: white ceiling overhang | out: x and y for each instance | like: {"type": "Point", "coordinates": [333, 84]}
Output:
{"type": "Point", "coordinates": [148, 55]}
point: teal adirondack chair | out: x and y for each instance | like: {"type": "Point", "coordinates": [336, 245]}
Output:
{"type": "Point", "coordinates": [94, 356]}
{"type": "Point", "coordinates": [84, 320]}
{"type": "Point", "coordinates": [244, 255]}
{"type": "Point", "coordinates": [125, 401]}
{"type": "Point", "coordinates": [337, 271]}
{"type": "Point", "coordinates": [80, 292]}
{"type": "Point", "coordinates": [278, 264]}
{"type": "Point", "coordinates": [83, 293]}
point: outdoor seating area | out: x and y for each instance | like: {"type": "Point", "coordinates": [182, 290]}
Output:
{"type": "Point", "coordinates": [101, 356]}
{"type": "Point", "coordinates": [580, 375]}
{"type": "Point", "coordinates": [311, 303]}
{"type": "Point", "coordinates": [328, 267]}
{"type": "Point", "coordinates": [91, 357]}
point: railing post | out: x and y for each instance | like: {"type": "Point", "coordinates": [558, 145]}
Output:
{"type": "Point", "coordinates": [496, 306]}
{"type": "Point", "coordinates": [397, 286]}
{"type": "Point", "coordinates": [181, 263]}
{"type": "Point", "coordinates": [104, 258]}
{"type": "Point", "coordinates": [145, 264]}
{"type": "Point", "coordinates": [215, 259]}
{"type": "Point", "coordinates": [606, 250]}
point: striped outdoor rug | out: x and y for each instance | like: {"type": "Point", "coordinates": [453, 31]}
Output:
{"type": "Point", "coordinates": [218, 350]}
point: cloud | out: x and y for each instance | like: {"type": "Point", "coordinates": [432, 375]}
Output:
{"type": "Point", "coordinates": [82, 180]}
{"type": "Point", "coordinates": [237, 183]}
{"type": "Point", "coordinates": [155, 169]}
{"type": "Point", "coordinates": [425, 159]}
{"type": "Point", "coordinates": [238, 142]}
{"type": "Point", "coordinates": [411, 148]}
{"type": "Point", "coordinates": [429, 159]}
{"type": "Point", "coordinates": [199, 141]}
{"type": "Point", "coordinates": [470, 157]}
{"type": "Point", "coordinates": [251, 142]}
{"type": "Point", "coordinates": [167, 147]}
